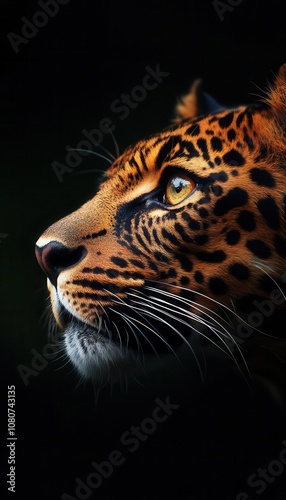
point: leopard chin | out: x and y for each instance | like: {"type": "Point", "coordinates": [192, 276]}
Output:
{"type": "Point", "coordinates": [91, 351]}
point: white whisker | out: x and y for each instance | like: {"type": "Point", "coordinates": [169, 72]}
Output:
{"type": "Point", "coordinates": [109, 160]}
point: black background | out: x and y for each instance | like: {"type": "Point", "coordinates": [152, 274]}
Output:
{"type": "Point", "coordinates": [60, 82]}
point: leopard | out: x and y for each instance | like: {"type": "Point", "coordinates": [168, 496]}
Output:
{"type": "Point", "coordinates": [183, 244]}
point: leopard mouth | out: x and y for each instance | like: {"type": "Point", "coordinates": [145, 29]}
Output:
{"type": "Point", "coordinates": [90, 351]}
{"type": "Point", "coordinates": [119, 337]}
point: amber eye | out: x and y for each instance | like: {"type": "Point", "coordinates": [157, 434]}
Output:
{"type": "Point", "coordinates": [179, 187]}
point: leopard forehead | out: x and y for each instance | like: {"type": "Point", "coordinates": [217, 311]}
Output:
{"type": "Point", "coordinates": [223, 142]}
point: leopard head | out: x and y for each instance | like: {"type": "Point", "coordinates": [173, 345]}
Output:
{"type": "Point", "coordinates": [187, 228]}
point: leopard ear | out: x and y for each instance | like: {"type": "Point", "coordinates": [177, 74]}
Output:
{"type": "Point", "coordinates": [196, 103]}
{"type": "Point", "coordinates": [277, 97]}
{"type": "Point", "coordinates": [273, 128]}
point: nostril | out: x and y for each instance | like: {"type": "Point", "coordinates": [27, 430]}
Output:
{"type": "Point", "coordinates": [55, 258]}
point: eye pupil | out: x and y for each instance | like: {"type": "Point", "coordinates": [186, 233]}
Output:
{"type": "Point", "coordinates": [179, 188]}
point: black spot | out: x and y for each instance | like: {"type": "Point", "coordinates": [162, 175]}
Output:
{"type": "Point", "coordinates": [192, 223]}
{"type": "Point", "coordinates": [217, 190]}
{"type": "Point", "coordinates": [240, 119]}
{"type": "Point", "coordinates": [127, 275]}
{"type": "Point", "coordinates": [280, 245]}
{"type": "Point", "coordinates": [185, 281]}
{"type": "Point", "coordinates": [262, 154]}
{"type": "Point", "coordinates": [246, 220]}
{"type": "Point", "coordinates": [236, 197]}
{"type": "Point", "coordinates": [161, 257]}
{"type": "Point", "coordinates": [202, 144]}
{"type": "Point", "coordinates": [203, 212]}
{"type": "Point", "coordinates": [112, 273]}
{"type": "Point", "coordinates": [233, 158]}
{"type": "Point", "coordinates": [180, 229]}
{"type": "Point", "coordinates": [239, 271]}
{"type": "Point", "coordinates": [213, 119]}
{"type": "Point", "coordinates": [172, 215]}
{"type": "Point", "coordinates": [269, 210]}
{"type": "Point", "coordinates": [95, 235]}
{"type": "Point", "coordinates": [201, 239]}
{"type": "Point", "coordinates": [193, 129]}
{"type": "Point", "coordinates": [217, 160]}
{"type": "Point", "coordinates": [172, 273]}
{"type": "Point", "coordinates": [169, 236]}
{"type": "Point", "coordinates": [248, 140]}
{"type": "Point", "coordinates": [217, 285]}
{"type": "Point", "coordinates": [142, 158]}
{"type": "Point", "coordinates": [259, 248]}
{"type": "Point", "coordinates": [216, 144]}
{"type": "Point", "coordinates": [231, 134]}
{"type": "Point", "coordinates": [262, 177]}
{"type": "Point", "coordinates": [249, 118]}
{"type": "Point", "coordinates": [128, 238]}
{"type": "Point", "coordinates": [156, 237]}
{"type": "Point", "coordinates": [234, 173]}
{"type": "Point", "coordinates": [199, 277]}
{"type": "Point", "coordinates": [192, 151]}
{"type": "Point", "coordinates": [226, 120]}
{"type": "Point", "coordinates": [153, 266]}
{"type": "Point", "coordinates": [216, 256]}
{"type": "Point", "coordinates": [146, 234]}
{"type": "Point", "coordinates": [185, 262]}
{"type": "Point", "coordinates": [232, 237]}
{"type": "Point", "coordinates": [166, 148]}
{"type": "Point", "coordinates": [137, 263]}
{"type": "Point", "coordinates": [94, 270]}
{"type": "Point", "coordinates": [141, 241]}
{"type": "Point", "coordinates": [119, 262]}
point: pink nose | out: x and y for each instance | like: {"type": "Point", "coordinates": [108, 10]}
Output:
{"type": "Point", "coordinates": [55, 258]}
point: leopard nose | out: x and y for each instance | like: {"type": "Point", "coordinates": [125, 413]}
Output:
{"type": "Point", "coordinates": [54, 257]}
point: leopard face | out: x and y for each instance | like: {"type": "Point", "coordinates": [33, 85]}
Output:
{"type": "Point", "coordinates": [187, 227]}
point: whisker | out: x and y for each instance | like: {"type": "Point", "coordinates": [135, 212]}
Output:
{"type": "Point", "coordinates": [271, 277]}
{"type": "Point", "coordinates": [117, 152]}
{"type": "Point", "coordinates": [151, 328]}
{"type": "Point", "coordinates": [132, 321]}
{"type": "Point", "coordinates": [199, 307]}
{"type": "Point", "coordinates": [192, 328]}
{"type": "Point", "coordinates": [161, 320]}
{"type": "Point", "coordinates": [80, 150]}
{"type": "Point", "coordinates": [185, 313]}
{"type": "Point", "coordinates": [221, 305]}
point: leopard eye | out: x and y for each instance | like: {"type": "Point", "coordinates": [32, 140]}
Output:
{"type": "Point", "coordinates": [179, 187]}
